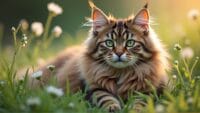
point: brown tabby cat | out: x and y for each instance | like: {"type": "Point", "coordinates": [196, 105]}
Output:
{"type": "Point", "coordinates": [118, 58]}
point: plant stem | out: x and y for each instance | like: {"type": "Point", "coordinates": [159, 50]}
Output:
{"type": "Point", "coordinates": [49, 40]}
{"type": "Point", "coordinates": [193, 66]}
{"type": "Point", "coordinates": [11, 73]}
{"type": "Point", "coordinates": [187, 68]}
{"type": "Point", "coordinates": [47, 26]}
{"type": "Point", "coordinates": [179, 74]}
{"type": "Point", "coordinates": [15, 39]}
{"type": "Point", "coordinates": [11, 69]}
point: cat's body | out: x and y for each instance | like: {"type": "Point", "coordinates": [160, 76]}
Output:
{"type": "Point", "coordinates": [119, 57]}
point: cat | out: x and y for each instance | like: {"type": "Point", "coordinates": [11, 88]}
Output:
{"type": "Point", "coordinates": [120, 56]}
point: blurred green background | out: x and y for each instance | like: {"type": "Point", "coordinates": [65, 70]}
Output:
{"type": "Point", "coordinates": [168, 15]}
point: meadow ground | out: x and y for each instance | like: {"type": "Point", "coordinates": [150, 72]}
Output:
{"type": "Point", "coordinates": [31, 47]}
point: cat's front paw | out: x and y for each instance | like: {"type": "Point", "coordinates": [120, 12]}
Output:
{"type": "Point", "coordinates": [112, 108]}
{"type": "Point", "coordinates": [139, 105]}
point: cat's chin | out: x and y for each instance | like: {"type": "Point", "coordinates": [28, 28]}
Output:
{"type": "Point", "coordinates": [118, 64]}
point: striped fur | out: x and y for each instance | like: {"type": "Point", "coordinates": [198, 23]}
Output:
{"type": "Point", "coordinates": [117, 59]}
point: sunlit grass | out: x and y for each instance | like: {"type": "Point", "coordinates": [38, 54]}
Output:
{"type": "Point", "coordinates": [182, 94]}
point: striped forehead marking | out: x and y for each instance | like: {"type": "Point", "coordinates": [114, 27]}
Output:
{"type": "Point", "coordinates": [118, 28]}
{"type": "Point", "coordinates": [119, 31]}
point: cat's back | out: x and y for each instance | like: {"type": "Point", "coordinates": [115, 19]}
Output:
{"type": "Point", "coordinates": [65, 63]}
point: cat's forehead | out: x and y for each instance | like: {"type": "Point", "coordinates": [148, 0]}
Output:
{"type": "Point", "coordinates": [119, 26]}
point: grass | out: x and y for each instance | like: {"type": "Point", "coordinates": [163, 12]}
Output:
{"type": "Point", "coordinates": [182, 95]}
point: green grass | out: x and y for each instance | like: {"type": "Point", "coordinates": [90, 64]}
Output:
{"type": "Point", "coordinates": [182, 95]}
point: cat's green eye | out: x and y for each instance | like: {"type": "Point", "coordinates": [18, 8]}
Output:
{"type": "Point", "coordinates": [130, 43]}
{"type": "Point", "coordinates": [109, 43]}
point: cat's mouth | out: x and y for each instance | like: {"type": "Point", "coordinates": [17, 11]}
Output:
{"type": "Point", "coordinates": [119, 64]}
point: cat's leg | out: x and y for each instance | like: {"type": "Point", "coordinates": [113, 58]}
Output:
{"type": "Point", "coordinates": [104, 99]}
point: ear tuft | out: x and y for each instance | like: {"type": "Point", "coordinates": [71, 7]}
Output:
{"type": "Point", "coordinates": [91, 4]}
{"type": "Point", "coordinates": [142, 19]}
{"type": "Point", "coordinates": [146, 6]}
{"type": "Point", "coordinates": [99, 19]}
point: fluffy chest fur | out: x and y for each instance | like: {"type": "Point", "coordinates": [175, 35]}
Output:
{"type": "Point", "coordinates": [122, 82]}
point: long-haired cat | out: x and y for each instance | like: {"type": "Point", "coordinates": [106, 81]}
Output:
{"type": "Point", "coordinates": [119, 57]}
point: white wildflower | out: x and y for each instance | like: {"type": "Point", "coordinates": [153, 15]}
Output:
{"type": "Point", "coordinates": [190, 100]}
{"type": "Point", "coordinates": [23, 45]}
{"type": "Point", "coordinates": [55, 91]}
{"type": "Point", "coordinates": [71, 104]}
{"type": "Point", "coordinates": [193, 14]}
{"type": "Point", "coordinates": [2, 83]}
{"type": "Point", "coordinates": [187, 52]}
{"type": "Point", "coordinates": [177, 47]}
{"type": "Point", "coordinates": [57, 31]}
{"type": "Point", "coordinates": [54, 8]}
{"type": "Point", "coordinates": [24, 40]}
{"type": "Point", "coordinates": [33, 101]}
{"type": "Point", "coordinates": [198, 77]}
{"type": "Point", "coordinates": [24, 24]}
{"type": "Point", "coordinates": [51, 67]}
{"type": "Point", "coordinates": [159, 108]}
{"type": "Point", "coordinates": [37, 75]}
{"type": "Point", "coordinates": [174, 77]}
{"type": "Point", "coordinates": [37, 28]}
{"type": "Point", "coordinates": [13, 29]}
{"type": "Point", "coordinates": [176, 62]}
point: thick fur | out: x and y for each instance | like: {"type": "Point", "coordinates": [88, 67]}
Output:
{"type": "Point", "coordinates": [90, 65]}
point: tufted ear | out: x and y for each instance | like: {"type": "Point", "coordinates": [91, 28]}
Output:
{"type": "Point", "coordinates": [99, 19]}
{"type": "Point", "coordinates": [142, 18]}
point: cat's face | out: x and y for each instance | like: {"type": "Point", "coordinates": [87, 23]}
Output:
{"type": "Point", "coordinates": [120, 42]}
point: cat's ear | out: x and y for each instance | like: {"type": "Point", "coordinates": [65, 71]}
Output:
{"type": "Point", "coordinates": [99, 18]}
{"type": "Point", "coordinates": [142, 18]}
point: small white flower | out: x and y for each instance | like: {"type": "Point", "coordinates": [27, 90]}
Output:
{"type": "Point", "coordinates": [177, 47]}
{"type": "Point", "coordinates": [37, 28]}
{"type": "Point", "coordinates": [198, 77]}
{"type": "Point", "coordinates": [13, 29]}
{"type": "Point", "coordinates": [33, 101]}
{"type": "Point", "coordinates": [174, 77]}
{"type": "Point", "coordinates": [57, 31]}
{"type": "Point", "coordinates": [71, 104]}
{"type": "Point", "coordinates": [55, 91]}
{"type": "Point", "coordinates": [23, 45]}
{"type": "Point", "coordinates": [159, 108]}
{"type": "Point", "coordinates": [176, 62]}
{"type": "Point", "coordinates": [193, 14]}
{"type": "Point", "coordinates": [187, 52]}
{"type": "Point", "coordinates": [24, 40]}
{"type": "Point", "coordinates": [51, 67]}
{"type": "Point", "coordinates": [37, 75]}
{"type": "Point", "coordinates": [24, 24]}
{"type": "Point", "coordinates": [2, 83]}
{"type": "Point", "coordinates": [54, 8]}
{"type": "Point", "coordinates": [190, 100]}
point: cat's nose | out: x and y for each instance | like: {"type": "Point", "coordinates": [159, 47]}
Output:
{"type": "Point", "coordinates": [119, 54]}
